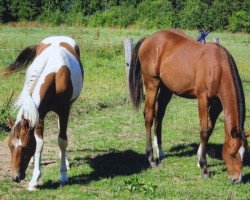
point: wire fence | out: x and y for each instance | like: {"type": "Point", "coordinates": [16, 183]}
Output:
{"type": "Point", "coordinates": [84, 48]}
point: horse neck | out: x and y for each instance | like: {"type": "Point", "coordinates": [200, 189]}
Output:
{"type": "Point", "coordinates": [230, 106]}
{"type": "Point", "coordinates": [232, 101]}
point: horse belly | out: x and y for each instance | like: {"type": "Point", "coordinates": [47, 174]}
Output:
{"type": "Point", "coordinates": [180, 81]}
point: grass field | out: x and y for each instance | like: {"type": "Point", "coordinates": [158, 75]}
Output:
{"type": "Point", "coordinates": [107, 137]}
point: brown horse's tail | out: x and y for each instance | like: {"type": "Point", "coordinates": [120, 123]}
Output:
{"type": "Point", "coordinates": [23, 59]}
{"type": "Point", "coordinates": [135, 77]}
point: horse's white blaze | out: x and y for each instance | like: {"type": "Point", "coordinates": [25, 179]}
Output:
{"type": "Point", "coordinates": [37, 164]}
{"type": "Point", "coordinates": [241, 152]}
{"type": "Point", "coordinates": [240, 177]}
{"type": "Point", "coordinates": [17, 142]}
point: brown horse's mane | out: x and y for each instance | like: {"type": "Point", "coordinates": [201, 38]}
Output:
{"type": "Point", "coordinates": [239, 91]}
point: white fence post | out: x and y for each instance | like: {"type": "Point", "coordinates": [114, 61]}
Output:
{"type": "Point", "coordinates": [129, 48]}
{"type": "Point", "coordinates": [217, 40]}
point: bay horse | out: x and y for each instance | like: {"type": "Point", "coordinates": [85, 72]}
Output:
{"type": "Point", "coordinates": [53, 81]}
{"type": "Point", "coordinates": [170, 62]}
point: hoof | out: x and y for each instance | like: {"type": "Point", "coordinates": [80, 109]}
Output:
{"type": "Point", "coordinates": [64, 183]}
{"type": "Point", "coordinates": [161, 155]}
{"type": "Point", "coordinates": [153, 164]}
{"type": "Point", "coordinates": [64, 180]}
{"type": "Point", "coordinates": [32, 187]}
{"type": "Point", "coordinates": [206, 176]}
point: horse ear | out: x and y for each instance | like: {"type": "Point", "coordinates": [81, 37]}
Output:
{"type": "Point", "coordinates": [25, 124]}
{"type": "Point", "coordinates": [247, 133]}
{"type": "Point", "coordinates": [234, 132]}
{"type": "Point", "coordinates": [10, 122]}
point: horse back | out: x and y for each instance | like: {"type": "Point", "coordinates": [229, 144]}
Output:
{"type": "Point", "coordinates": [61, 80]}
{"type": "Point", "coordinates": [181, 63]}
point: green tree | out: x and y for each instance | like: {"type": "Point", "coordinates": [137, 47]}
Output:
{"type": "Point", "coordinates": [2, 10]}
{"type": "Point", "coordinates": [155, 14]}
{"type": "Point", "coordinates": [240, 21]}
{"type": "Point", "coordinates": [192, 15]}
{"type": "Point", "coordinates": [24, 10]}
{"type": "Point", "coordinates": [76, 13]}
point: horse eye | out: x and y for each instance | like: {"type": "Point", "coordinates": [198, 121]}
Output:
{"type": "Point", "coordinates": [24, 146]}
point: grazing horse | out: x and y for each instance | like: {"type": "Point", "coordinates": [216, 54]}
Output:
{"type": "Point", "coordinates": [53, 82]}
{"type": "Point", "coordinates": [170, 62]}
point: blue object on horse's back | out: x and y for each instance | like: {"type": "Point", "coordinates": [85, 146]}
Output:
{"type": "Point", "coordinates": [202, 36]}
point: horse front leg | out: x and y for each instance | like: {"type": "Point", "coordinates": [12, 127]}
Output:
{"type": "Point", "coordinates": [205, 132]}
{"type": "Point", "coordinates": [208, 113]}
{"type": "Point", "coordinates": [149, 114]}
{"type": "Point", "coordinates": [163, 99]}
{"type": "Point", "coordinates": [37, 160]}
{"type": "Point", "coordinates": [63, 143]}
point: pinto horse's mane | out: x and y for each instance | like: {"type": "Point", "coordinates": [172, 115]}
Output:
{"type": "Point", "coordinates": [239, 91]}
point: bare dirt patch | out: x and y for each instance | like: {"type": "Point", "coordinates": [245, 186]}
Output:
{"type": "Point", "coordinates": [4, 160]}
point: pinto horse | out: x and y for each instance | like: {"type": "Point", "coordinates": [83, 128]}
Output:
{"type": "Point", "coordinates": [53, 82]}
{"type": "Point", "coordinates": [170, 62]}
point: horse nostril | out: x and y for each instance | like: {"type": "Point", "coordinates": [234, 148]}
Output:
{"type": "Point", "coordinates": [236, 180]}
{"type": "Point", "coordinates": [16, 179]}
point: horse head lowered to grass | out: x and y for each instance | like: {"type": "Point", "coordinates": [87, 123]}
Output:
{"type": "Point", "coordinates": [170, 62]}
{"type": "Point", "coordinates": [53, 82]}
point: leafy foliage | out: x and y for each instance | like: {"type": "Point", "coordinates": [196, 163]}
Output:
{"type": "Point", "coordinates": [240, 21]}
{"type": "Point", "coordinates": [5, 110]}
{"type": "Point", "coordinates": [231, 15]}
{"type": "Point", "coordinates": [136, 184]}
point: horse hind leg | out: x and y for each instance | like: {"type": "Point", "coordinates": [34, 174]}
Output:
{"type": "Point", "coordinates": [208, 117]}
{"type": "Point", "coordinates": [151, 88]}
{"type": "Point", "coordinates": [163, 99]}
{"type": "Point", "coordinates": [63, 143]}
{"type": "Point", "coordinates": [60, 154]}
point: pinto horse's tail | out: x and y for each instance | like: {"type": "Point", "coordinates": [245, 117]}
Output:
{"type": "Point", "coordinates": [23, 59]}
{"type": "Point", "coordinates": [135, 77]}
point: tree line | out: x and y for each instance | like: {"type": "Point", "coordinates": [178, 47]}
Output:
{"type": "Point", "coordinates": [230, 15]}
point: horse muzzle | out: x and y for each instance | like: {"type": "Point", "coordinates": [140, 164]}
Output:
{"type": "Point", "coordinates": [236, 179]}
{"type": "Point", "coordinates": [17, 177]}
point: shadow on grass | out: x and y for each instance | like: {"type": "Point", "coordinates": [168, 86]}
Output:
{"type": "Point", "coordinates": [246, 178]}
{"type": "Point", "coordinates": [214, 151]}
{"type": "Point", "coordinates": [187, 150]}
{"type": "Point", "coordinates": [108, 165]}
{"type": "Point", "coordinates": [124, 163]}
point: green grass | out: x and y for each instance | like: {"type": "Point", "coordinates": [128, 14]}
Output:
{"type": "Point", "coordinates": [107, 137]}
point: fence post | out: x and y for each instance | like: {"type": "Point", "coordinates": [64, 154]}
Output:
{"type": "Point", "coordinates": [217, 40]}
{"type": "Point", "coordinates": [129, 48]}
